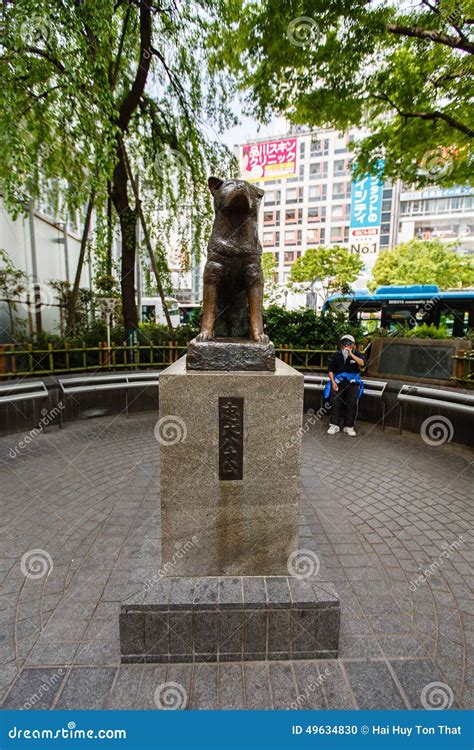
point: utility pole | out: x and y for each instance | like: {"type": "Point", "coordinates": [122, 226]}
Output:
{"type": "Point", "coordinates": [34, 268]}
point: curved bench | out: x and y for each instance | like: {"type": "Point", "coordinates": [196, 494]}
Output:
{"type": "Point", "coordinates": [459, 401]}
{"type": "Point", "coordinates": [109, 382]}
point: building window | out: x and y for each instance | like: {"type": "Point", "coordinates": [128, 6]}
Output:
{"type": "Point", "coordinates": [293, 195]}
{"type": "Point", "coordinates": [337, 212]}
{"type": "Point", "coordinates": [312, 236]}
{"type": "Point", "coordinates": [341, 190]}
{"type": "Point", "coordinates": [271, 217]}
{"type": "Point", "coordinates": [337, 234]}
{"type": "Point", "coordinates": [318, 170]}
{"type": "Point", "coordinates": [317, 193]}
{"type": "Point", "coordinates": [272, 197]}
{"type": "Point", "coordinates": [293, 215]}
{"type": "Point", "coordinates": [316, 213]}
{"type": "Point", "coordinates": [339, 167]}
{"type": "Point", "coordinates": [302, 148]}
{"type": "Point", "coordinates": [289, 256]}
{"type": "Point", "coordinates": [269, 238]}
{"type": "Point", "coordinates": [319, 147]}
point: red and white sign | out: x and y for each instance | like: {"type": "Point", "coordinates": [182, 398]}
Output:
{"type": "Point", "coordinates": [269, 160]}
{"type": "Point", "coordinates": [365, 241]}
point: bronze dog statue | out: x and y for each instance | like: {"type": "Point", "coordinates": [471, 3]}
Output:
{"type": "Point", "coordinates": [233, 277]}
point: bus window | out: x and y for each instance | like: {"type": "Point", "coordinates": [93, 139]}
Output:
{"type": "Point", "coordinates": [456, 322]}
{"type": "Point", "coordinates": [148, 314]}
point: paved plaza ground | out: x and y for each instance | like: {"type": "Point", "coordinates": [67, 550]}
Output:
{"type": "Point", "coordinates": [377, 510]}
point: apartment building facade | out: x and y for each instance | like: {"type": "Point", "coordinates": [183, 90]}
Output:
{"type": "Point", "coordinates": [438, 213]}
{"type": "Point", "coordinates": [308, 204]}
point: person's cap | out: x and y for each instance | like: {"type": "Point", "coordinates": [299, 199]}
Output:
{"type": "Point", "coordinates": [348, 337]}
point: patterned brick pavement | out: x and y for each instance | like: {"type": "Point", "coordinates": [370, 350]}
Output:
{"type": "Point", "coordinates": [377, 511]}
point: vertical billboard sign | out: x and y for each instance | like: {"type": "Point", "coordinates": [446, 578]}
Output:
{"type": "Point", "coordinates": [366, 211]}
{"type": "Point", "coordinates": [268, 160]}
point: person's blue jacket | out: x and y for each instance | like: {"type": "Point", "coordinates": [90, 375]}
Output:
{"type": "Point", "coordinates": [352, 378]}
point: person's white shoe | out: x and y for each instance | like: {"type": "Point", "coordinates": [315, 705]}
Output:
{"type": "Point", "coordinates": [333, 428]}
{"type": "Point", "coordinates": [349, 431]}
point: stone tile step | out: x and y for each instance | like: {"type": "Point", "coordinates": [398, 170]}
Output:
{"type": "Point", "coordinates": [230, 619]}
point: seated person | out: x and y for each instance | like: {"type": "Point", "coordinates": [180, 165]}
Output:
{"type": "Point", "coordinates": [345, 393]}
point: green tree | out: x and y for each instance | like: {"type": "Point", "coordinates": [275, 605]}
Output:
{"type": "Point", "coordinates": [423, 262]}
{"type": "Point", "coordinates": [96, 93]}
{"type": "Point", "coordinates": [404, 70]}
{"type": "Point", "coordinates": [334, 268]}
{"type": "Point", "coordinates": [268, 267]}
{"type": "Point", "coordinates": [12, 286]}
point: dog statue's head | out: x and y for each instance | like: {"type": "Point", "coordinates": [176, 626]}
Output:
{"type": "Point", "coordinates": [235, 196]}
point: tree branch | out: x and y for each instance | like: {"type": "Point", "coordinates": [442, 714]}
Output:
{"type": "Point", "coordinates": [130, 102]}
{"type": "Point", "coordinates": [433, 36]}
{"type": "Point", "coordinates": [47, 56]}
{"type": "Point", "coordinates": [429, 116]}
{"type": "Point", "coordinates": [175, 85]}
{"type": "Point", "coordinates": [113, 78]}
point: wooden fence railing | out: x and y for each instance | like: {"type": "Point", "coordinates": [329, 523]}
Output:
{"type": "Point", "coordinates": [23, 361]}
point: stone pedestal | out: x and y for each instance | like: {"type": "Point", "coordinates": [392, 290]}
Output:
{"type": "Point", "coordinates": [230, 470]}
{"type": "Point", "coordinates": [230, 480]}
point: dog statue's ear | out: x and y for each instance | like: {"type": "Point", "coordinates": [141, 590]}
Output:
{"type": "Point", "coordinates": [214, 183]}
{"type": "Point", "coordinates": [259, 191]}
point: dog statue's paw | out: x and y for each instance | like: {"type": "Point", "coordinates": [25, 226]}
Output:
{"type": "Point", "coordinates": [204, 336]}
{"type": "Point", "coordinates": [261, 338]}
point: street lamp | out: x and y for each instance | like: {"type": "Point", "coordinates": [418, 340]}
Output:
{"type": "Point", "coordinates": [107, 306]}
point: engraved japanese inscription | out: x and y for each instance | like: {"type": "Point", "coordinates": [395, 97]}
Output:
{"type": "Point", "coordinates": [231, 438]}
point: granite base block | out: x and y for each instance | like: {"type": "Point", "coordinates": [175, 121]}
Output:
{"type": "Point", "coordinates": [251, 618]}
{"type": "Point", "coordinates": [228, 355]}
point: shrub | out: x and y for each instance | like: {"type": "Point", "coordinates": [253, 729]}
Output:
{"type": "Point", "coordinates": [304, 328]}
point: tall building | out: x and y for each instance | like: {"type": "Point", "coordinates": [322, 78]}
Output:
{"type": "Point", "coordinates": [308, 190]}
{"type": "Point", "coordinates": [438, 213]}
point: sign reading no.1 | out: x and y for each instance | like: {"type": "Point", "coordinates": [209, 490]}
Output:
{"type": "Point", "coordinates": [366, 214]}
